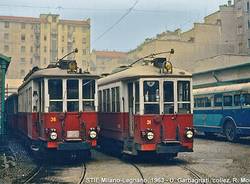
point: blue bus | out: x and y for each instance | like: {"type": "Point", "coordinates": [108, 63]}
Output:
{"type": "Point", "coordinates": [223, 109]}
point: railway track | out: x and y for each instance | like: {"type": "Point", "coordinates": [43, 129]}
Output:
{"type": "Point", "coordinates": [32, 174]}
{"type": "Point", "coordinates": [139, 170]}
{"type": "Point", "coordinates": [42, 172]}
{"type": "Point", "coordinates": [83, 174]}
{"type": "Point", "coordinates": [193, 172]}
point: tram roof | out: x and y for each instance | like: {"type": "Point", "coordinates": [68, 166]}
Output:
{"type": "Point", "coordinates": [220, 89]}
{"type": "Point", "coordinates": [54, 72]}
{"type": "Point", "coordinates": [141, 71]}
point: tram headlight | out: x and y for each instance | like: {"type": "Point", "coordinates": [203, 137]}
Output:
{"type": "Point", "coordinates": [92, 134]}
{"type": "Point", "coordinates": [150, 135]}
{"type": "Point", "coordinates": [189, 134]}
{"type": "Point", "coordinates": [53, 136]}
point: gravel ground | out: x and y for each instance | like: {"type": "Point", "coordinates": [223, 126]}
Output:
{"type": "Point", "coordinates": [212, 158]}
{"type": "Point", "coordinates": [24, 164]}
{"type": "Point", "coordinates": [218, 158]}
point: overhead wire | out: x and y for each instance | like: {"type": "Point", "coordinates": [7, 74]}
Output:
{"type": "Point", "coordinates": [117, 22]}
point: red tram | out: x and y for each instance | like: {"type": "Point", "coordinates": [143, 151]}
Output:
{"type": "Point", "coordinates": [57, 109]}
{"type": "Point", "coordinates": [146, 108]}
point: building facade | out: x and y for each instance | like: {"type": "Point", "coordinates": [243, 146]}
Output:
{"type": "Point", "coordinates": [41, 41]}
{"type": "Point", "coordinates": [104, 62]}
{"type": "Point", "coordinates": [226, 31]}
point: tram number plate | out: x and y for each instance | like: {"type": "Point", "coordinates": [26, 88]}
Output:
{"type": "Point", "coordinates": [73, 134]}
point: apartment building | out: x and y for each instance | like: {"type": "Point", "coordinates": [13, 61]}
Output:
{"type": "Point", "coordinates": [104, 62]}
{"type": "Point", "coordinates": [41, 41]}
{"type": "Point", "coordinates": [224, 32]}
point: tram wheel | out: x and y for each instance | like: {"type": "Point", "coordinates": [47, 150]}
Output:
{"type": "Point", "coordinates": [230, 131]}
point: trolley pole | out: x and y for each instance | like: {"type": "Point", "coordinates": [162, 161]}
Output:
{"type": "Point", "coordinates": [2, 125]}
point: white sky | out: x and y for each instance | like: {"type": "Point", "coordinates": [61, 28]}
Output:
{"type": "Point", "coordinates": [148, 18]}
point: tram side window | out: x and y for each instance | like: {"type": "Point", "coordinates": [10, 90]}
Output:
{"type": "Point", "coordinates": [183, 92]}
{"type": "Point", "coordinates": [55, 95]}
{"type": "Point", "coordinates": [168, 87]}
{"type": "Point", "coordinates": [104, 101]}
{"type": "Point", "coordinates": [115, 98]}
{"type": "Point", "coordinates": [137, 98]}
{"type": "Point", "coordinates": [72, 95]}
{"type": "Point", "coordinates": [88, 94]}
{"type": "Point", "coordinates": [227, 100]}
{"type": "Point", "coordinates": [108, 100]}
{"type": "Point", "coordinates": [100, 101]}
{"type": "Point", "coordinates": [218, 100]}
{"type": "Point", "coordinates": [151, 97]}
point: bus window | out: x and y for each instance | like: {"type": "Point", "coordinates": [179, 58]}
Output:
{"type": "Point", "coordinates": [246, 98]}
{"type": "Point", "coordinates": [55, 95]}
{"type": "Point", "coordinates": [227, 100]}
{"type": "Point", "coordinates": [151, 97]}
{"type": "Point", "coordinates": [237, 100]}
{"type": "Point", "coordinates": [72, 95]}
{"type": "Point", "coordinates": [88, 95]}
{"type": "Point", "coordinates": [183, 92]}
{"type": "Point", "coordinates": [168, 87]}
{"type": "Point", "coordinates": [207, 102]}
{"type": "Point", "coordinates": [218, 100]}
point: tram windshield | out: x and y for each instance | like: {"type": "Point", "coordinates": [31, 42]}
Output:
{"type": "Point", "coordinates": [151, 97]}
{"type": "Point", "coordinates": [88, 95]}
{"type": "Point", "coordinates": [72, 95]}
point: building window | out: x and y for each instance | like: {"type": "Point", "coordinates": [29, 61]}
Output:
{"type": "Point", "coordinates": [6, 36]}
{"type": "Point", "coordinates": [248, 7]}
{"type": "Point", "coordinates": [31, 49]}
{"type": "Point", "coordinates": [22, 49]}
{"type": "Point", "coordinates": [22, 73]}
{"type": "Point", "coordinates": [84, 40]}
{"type": "Point", "coordinates": [22, 37]}
{"type": "Point", "coordinates": [22, 60]}
{"type": "Point", "coordinates": [62, 50]}
{"type": "Point", "coordinates": [6, 24]}
{"type": "Point", "coordinates": [31, 60]}
{"type": "Point", "coordinates": [6, 48]}
{"type": "Point", "coordinates": [45, 49]}
{"type": "Point", "coordinates": [22, 25]}
{"type": "Point", "coordinates": [45, 38]}
{"type": "Point", "coordinates": [54, 19]}
{"type": "Point", "coordinates": [248, 43]}
{"type": "Point", "coordinates": [84, 51]}
{"type": "Point", "coordinates": [45, 61]}
{"type": "Point", "coordinates": [62, 38]}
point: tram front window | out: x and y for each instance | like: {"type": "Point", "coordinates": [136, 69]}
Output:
{"type": "Point", "coordinates": [88, 95]}
{"type": "Point", "coordinates": [55, 95]}
{"type": "Point", "coordinates": [151, 97]}
{"type": "Point", "coordinates": [168, 87]}
{"type": "Point", "coordinates": [183, 94]}
{"type": "Point", "coordinates": [72, 95]}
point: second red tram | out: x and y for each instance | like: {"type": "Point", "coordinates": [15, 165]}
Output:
{"type": "Point", "coordinates": [57, 110]}
{"type": "Point", "coordinates": [146, 108]}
